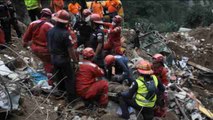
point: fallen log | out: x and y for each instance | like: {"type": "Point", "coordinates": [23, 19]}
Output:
{"type": "Point", "coordinates": [199, 67]}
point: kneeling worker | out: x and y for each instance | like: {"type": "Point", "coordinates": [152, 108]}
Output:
{"type": "Point", "coordinates": [87, 84]}
{"type": "Point", "coordinates": [122, 70]}
{"type": "Point", "coordinates": [145, 90]}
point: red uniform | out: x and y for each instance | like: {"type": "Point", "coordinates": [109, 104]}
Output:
{"type": "Point", "coordinates": [37, 34]}
{"type": "Point", "coordinates": [114, 38]}
{"type": "Point", "coordinates": [161, 73]}
{"type": "Point", "coordinates": [2, 38]}
{"type": "Point", "coordinates": [86, 85]}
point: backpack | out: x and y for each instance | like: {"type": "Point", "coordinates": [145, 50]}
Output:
{"type": "Point", "coordinates": [4, 11]}
{"type": "Point", "coordinates": [151, 87]}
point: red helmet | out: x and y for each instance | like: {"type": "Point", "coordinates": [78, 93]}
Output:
{"type": "Point", "coordinates": [109, 59]}
{"type": "Point", "coordinates": [144, 67]}
{"type": "Point", "coordinates": [62, 16]}
{"type": "Point", "coordinates": [46, 11]}
{"type": "Point", "coordinates": [96, 18]}
{"type": "Point", "coordinates": [158, 58]}
{"type": "Point", "coordinates": [117, 19]}
{"type": "Point", "coordinates": [86, 12]}
{"type": "Point", "coordinates": [88, 52]}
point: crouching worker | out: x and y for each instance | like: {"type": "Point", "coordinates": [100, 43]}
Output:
{"type": "Point", "coordinates": [87, 84]}
{"type": "Point", "coordinates": [122, 71]}
{"type": "Point", "coordinates": [144, 90]}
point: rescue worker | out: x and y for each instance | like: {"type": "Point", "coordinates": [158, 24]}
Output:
{"type": "Point", "coordinates": [112, 7]}
{"type": "Point", "coordinates": [74, 7]}
{"type": "Point", "coordinates": [97, 8]}
{"type": "Point", "coordinates": [36, 37]}
{"type": "Point", "coordinates": [136, 40]}
{"type": "Point", "coordinates": [122, 70]}
{"type": "Point", "coordinates": [114, 36]}
{"type": "Point", "coordinates": [96, 40]}
{"type": "Point", "coordinates": [87, 84]}
{"type": "Point", "coordinates": [159, 70]}
{"type": "Point", "coordinates": [57, 5]}
{"type": "Point", "coordinates": [144, 89]}
{"type": "Point", "coordinates": [83, 29]}
{"type": "Point", "coordinates": [8, 18]}
{"type": "Point", "coordinates": [61, 50]}
{"type": "Point", "coordinates": [33, 8]}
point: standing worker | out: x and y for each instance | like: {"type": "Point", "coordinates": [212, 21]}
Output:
{"type": "Point", "coordinates": [114, 36]}
{"type": "Point", "coordinates": [74, 7]}
{"type": "Point", "coordinates": [57, 5]}
{"type": "Point", "coordinates": [36, 37]}
{"type": "Point", "coordinates": [96, 40]}
{"type": "Point", "coordinates": [83, 28]}
{"type": "Point", "coordinates": [8, 17]}
{"type": "Point", "coordinates": [61, 50]}
{"type": "Point", "coordinates": [87, 84]}
{"type": "Point", "coordinates": [97, 8]}
{"type": "Point", "coordinates": [144, 90]}
{"type": "Point", "coordinates": [33, 8]}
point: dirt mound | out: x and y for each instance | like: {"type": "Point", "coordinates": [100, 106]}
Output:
{"type": "Point", "coordinates": [197, 45]}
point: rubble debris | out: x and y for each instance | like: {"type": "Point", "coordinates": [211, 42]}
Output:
{"type": "Point", "coordinates": [200, 67]}
{"type": "Point", "coordinates": [10, 95]}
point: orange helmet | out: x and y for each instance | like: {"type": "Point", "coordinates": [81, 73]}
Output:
{"type": "Point", "coordinates": [109, 59]}
{"type": "Point", "coordinates": [144, 67]}
{"type": "Point", "coordinates": [86, 12]}
{"type": "Point", "coordinates": [88, 52]}
{"type": "Point", "coordinates": [158, 58]}
{"type": "Point", "coordinates": [61, 16]}
{"type": "Point", "coordinates": [117, 19]}
{"type": "Point", "coordinates": [46, 11]}
{"type": "Point", "coordinates": [96, 18]}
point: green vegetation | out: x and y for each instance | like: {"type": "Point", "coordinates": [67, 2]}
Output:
{"type": "Point", "coordinates": [168, 15]}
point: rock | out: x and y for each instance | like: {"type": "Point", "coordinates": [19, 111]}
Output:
{"type": "Point", "coordinates": [76, 118]}
{"type": "Point", "coordinates": [202, 40]}
{"type": "Point", "coordinates": [196, 116]}
{"type": "Point", "coordinates": [182, 29]}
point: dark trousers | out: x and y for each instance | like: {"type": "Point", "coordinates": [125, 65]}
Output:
{"type": "Point", "coordinates": [7, 30]}
{"type": "Point", "coordinates": [34, 13]}
{"type": "Point", "coordinates": [148, 113]}
{"type": "Point", "coordinates": [14, 22]}
{"type": "Point", "coordinates": [68, 84]}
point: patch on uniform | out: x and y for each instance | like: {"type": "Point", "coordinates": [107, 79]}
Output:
{"type": "Point", "coordinates": [70, 37]}
{"type": "Point", "coordinates": [94, 34]}
{"type": "Point", "coordinates": [100, 36]}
